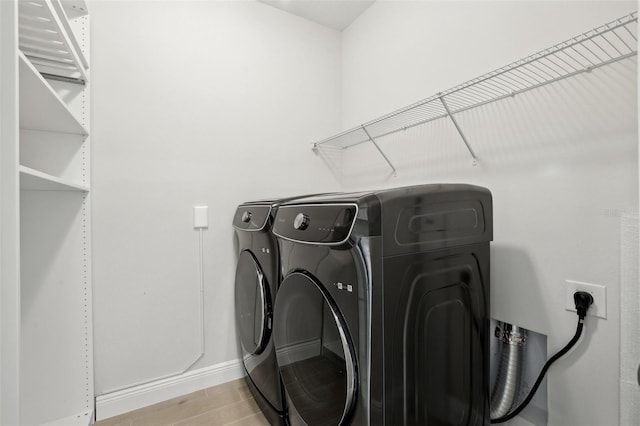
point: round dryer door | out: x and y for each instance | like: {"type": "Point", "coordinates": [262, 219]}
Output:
{"type": "Point", "coordinates": [314, 351]}
{"type": "Point", "coordinates": [253, 304]}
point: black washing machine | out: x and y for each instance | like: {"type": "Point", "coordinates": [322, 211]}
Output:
{"type": "Point", "coordinates": [257, 279]}
{"type": "Point", "coordinates": [382, 317]}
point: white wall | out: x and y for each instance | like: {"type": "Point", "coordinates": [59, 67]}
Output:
{"type": "Point", "coordinates": [194, 103]}
{"type": "Point", "coordinates": [561, 162]}
{"type": "Point", "coordinates": [190, 98]}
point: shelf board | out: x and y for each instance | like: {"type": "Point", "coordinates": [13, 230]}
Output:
{"type": "Point", "coordinates": [34, 180]}
{"type": "Point", "coordinates": [46, 39]}
{"type": "Point", "coordinates": [40, 106]}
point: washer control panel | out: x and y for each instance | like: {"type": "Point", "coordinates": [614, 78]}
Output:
{"type": "Point", "coordinates": [316, 223]}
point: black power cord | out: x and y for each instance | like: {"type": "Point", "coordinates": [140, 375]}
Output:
{"type": "Point", "coordinates": [582, 300]}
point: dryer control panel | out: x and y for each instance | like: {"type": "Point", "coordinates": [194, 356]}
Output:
{"type": "Point", "coordinates": [251, 217]}
{"type": "Point", "coordinates": [329, 224]}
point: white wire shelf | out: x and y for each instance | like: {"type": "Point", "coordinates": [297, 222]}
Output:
{"type": "Point", "coordinates": [609, 43]}
{"type": "Point", "coordinates": [46, 40]}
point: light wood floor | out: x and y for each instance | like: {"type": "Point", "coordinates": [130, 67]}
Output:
{"type": "Point", "coordinates": [227, 404]}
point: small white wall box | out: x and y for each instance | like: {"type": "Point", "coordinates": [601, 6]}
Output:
{"type": "Point", "coordinates": [200, 217]}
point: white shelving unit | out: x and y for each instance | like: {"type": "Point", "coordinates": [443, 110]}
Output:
{"type": "Point", "coordinates": [609, 43]}
{"type": "Point", "coordinates": [46, 164]}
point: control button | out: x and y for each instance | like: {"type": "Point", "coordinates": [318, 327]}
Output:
{"type": "Point", "coordinates": [301, 222]}
{"type": "Point", "coordinates": [246, 217]}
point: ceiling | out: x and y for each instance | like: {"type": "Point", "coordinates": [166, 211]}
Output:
{"type": "Point", "coordinates": [336, 14]}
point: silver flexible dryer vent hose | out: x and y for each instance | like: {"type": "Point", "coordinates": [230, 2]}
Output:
{"type": "Point", "coordinates": [507, 385]}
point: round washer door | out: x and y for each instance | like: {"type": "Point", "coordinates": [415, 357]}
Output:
{"type": "Point", "coordinates": [253, 304]}
{"type": "Point", "coordinates": [315, 352]}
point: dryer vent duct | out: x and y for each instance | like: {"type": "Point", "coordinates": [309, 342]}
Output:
{"type": "Point", "coordinates": [510, 370]}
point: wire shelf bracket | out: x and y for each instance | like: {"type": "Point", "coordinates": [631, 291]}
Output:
{"type": "Point", "coordinates": [457, 126]}
{"type": "Point", "coordinates": [364, 129]}
{"type": "Point", "coordinates": [612, 42]}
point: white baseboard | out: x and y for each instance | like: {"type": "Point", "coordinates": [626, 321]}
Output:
{"type": "Point", "coordinates": [123, 401]}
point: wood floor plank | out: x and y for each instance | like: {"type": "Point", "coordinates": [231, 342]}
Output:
{"type": "Point", "coordinates": [168, 404]}
{"type": "Point", "coordinates": [238, 383]}
{"type": "Point", "coordinates": [237, 391]}
{"type": "Point", "coordinates": [223, 415]}
{"type": "Point", "coordinates": [121, 420]}
{"type": "Point", "coordinates": [228, 403]}
{"type": "Point", "coordinates": [189, 407]}
{"type": "Point", "coordinates": [254, 420]}
{"type": "Point", "coordinates": [231, 394]}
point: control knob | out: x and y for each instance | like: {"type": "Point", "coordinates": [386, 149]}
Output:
{"type": "Point", "coordinates": [301, 222]}
{"type": "Point", "coordinates": [246, 217]}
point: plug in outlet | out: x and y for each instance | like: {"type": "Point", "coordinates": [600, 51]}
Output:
{"type": "Point", "coordinates": [598, 292]}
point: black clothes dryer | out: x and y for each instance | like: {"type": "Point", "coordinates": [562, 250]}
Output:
{"type": "Point", "coordinates": [257, 279]}
{"type": "Point", "coordinates": [382, 314]}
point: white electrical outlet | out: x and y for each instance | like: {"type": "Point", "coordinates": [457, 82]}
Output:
{"type": "Point", "coordinates": [598, 292]}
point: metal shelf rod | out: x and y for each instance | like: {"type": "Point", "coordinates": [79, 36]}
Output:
{"type": "Point", "coordinates": [379, 150]}
{"type": "Point", "coordinates": [457, 126]}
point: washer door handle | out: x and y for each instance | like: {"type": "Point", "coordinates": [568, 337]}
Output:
{"type": "Point", "coordinates": [345, 341]}
{"type": "Point", "coordinates": [348, 360]}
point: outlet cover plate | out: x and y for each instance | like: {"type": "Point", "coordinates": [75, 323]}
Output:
{"type": "Point", "coordinates": [599, 293]}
